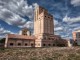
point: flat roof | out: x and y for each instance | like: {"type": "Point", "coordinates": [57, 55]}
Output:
{"type": "Point", "coordinates": [21, 36]}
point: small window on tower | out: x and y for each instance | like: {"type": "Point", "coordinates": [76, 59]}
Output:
{"type": "Point", "coordinates": [41, 9]}
{"type": "Point", "coordinates": [48, 17]}
{"type": "Point", "coordinates": [49, 38]}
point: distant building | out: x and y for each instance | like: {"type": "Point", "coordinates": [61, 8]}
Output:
{"type": "Point", "coordinates": [76, 37]}
{"type": "Point", "coordinates": [43, 33]}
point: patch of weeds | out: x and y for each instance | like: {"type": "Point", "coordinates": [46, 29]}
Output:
{"type": "Point", "coordinates": [48, 58]}
{"type": "Point", "coordinates": [2, 49]}
{"type": "Point", "coordinates": [33, 58]}
{"type": "Point", "coordinates": [58, 55]}
{"type": "Point", "coordinates": [71, 57]}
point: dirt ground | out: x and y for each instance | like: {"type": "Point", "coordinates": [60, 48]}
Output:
{"type": "Point", "coordinates": [52, 53]}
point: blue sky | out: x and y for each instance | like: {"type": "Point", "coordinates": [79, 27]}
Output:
{"type": "Point", "coordinates": [17, 14]}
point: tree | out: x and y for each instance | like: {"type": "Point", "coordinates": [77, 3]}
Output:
{"type": "Point", "coordinates": [2, 40]}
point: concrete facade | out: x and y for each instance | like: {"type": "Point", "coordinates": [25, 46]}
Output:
{"type": "Point", "coordinates": [43, 22]}
{"type": "Point", "coordinates": [43, 33]}
{"type": "Point", "coordinates": [19, 41]}
{"type": "Point", "coordinates": [43, 27]}
{"type": "Point", "coordinates": [76, 37]}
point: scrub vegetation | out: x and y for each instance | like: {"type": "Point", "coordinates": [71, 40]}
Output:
{"type": "Point", "coordinates": [52, 53]}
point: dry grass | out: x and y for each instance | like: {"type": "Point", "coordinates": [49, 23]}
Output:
{"type": "Point", "coordinates": [54, 53]}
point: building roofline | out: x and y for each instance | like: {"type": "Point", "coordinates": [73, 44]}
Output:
{"type": "Point", "coordinates": [21, 36]}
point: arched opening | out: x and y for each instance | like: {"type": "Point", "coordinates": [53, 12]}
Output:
{"type": "Point", "coordinates": [44, 44]}
{"type": "Point", "coordinates": [26, 44]}
{"type": "Point", "coordinates": [11, 44]}
{"type": "Point", "coordinates": [19, 44]}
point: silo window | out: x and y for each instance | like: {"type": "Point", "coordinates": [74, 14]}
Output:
{"type": "Point", "coordinates": [53, 44]}
{"type": "Point", "coordinates": [19, 44]}
{"type": "Point", "coordinates": [26, 44]}
{"type": "Point", "coordinates": [11, 44]}
{"type": "Point", "coordinates": [44, 44]}
{"type": "Point", "coordinates": [31, 44]}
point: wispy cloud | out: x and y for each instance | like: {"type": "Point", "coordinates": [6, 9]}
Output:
{"type": "Point", "coordinates": [29, 24]}
{"type": "Point", "coordinates": [75, 3]}
{"type": "Point", "coordinates": [71, 20]}
{"type": "Point", "coordinates": [13, 11]}
{"type": "Point", "coordinates": [3, 32]}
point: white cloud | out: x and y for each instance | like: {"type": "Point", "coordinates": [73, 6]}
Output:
{"type": "Point", "coordinates": [71, 20]}
{"type": "Point", "coordinates": [75, 2]}
{"type": "Point", "coordinates": [64, 30]}
{"type": "Point", "coordinates": [76, 28]}
{"type": "Point", "coordinates": [58, 28]}
{"type": "Point", "coordinates": [35, 5]}
{"type": "Point", "coordinates": [3, 32]}
{"type": "Point", "coordinates": [2, 36]}
{"type": "Point", "coordinates": [55, 22]}
{"type": "Point", "coordinates": [19, 7]}
{"type": "Point", "coordinates": [11, 18]}
{"type": "Point", "coordinates": [13, 11]}
{"type": "Point", "coordinates": [71, 26]}
{"type": "Point", "coordinates": [29, 24]}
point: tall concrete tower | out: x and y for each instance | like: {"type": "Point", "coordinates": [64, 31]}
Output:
{"type": "Point", "coordinates": [43, 22]}
{"type": "Point", "coordinates": [43, 25]}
